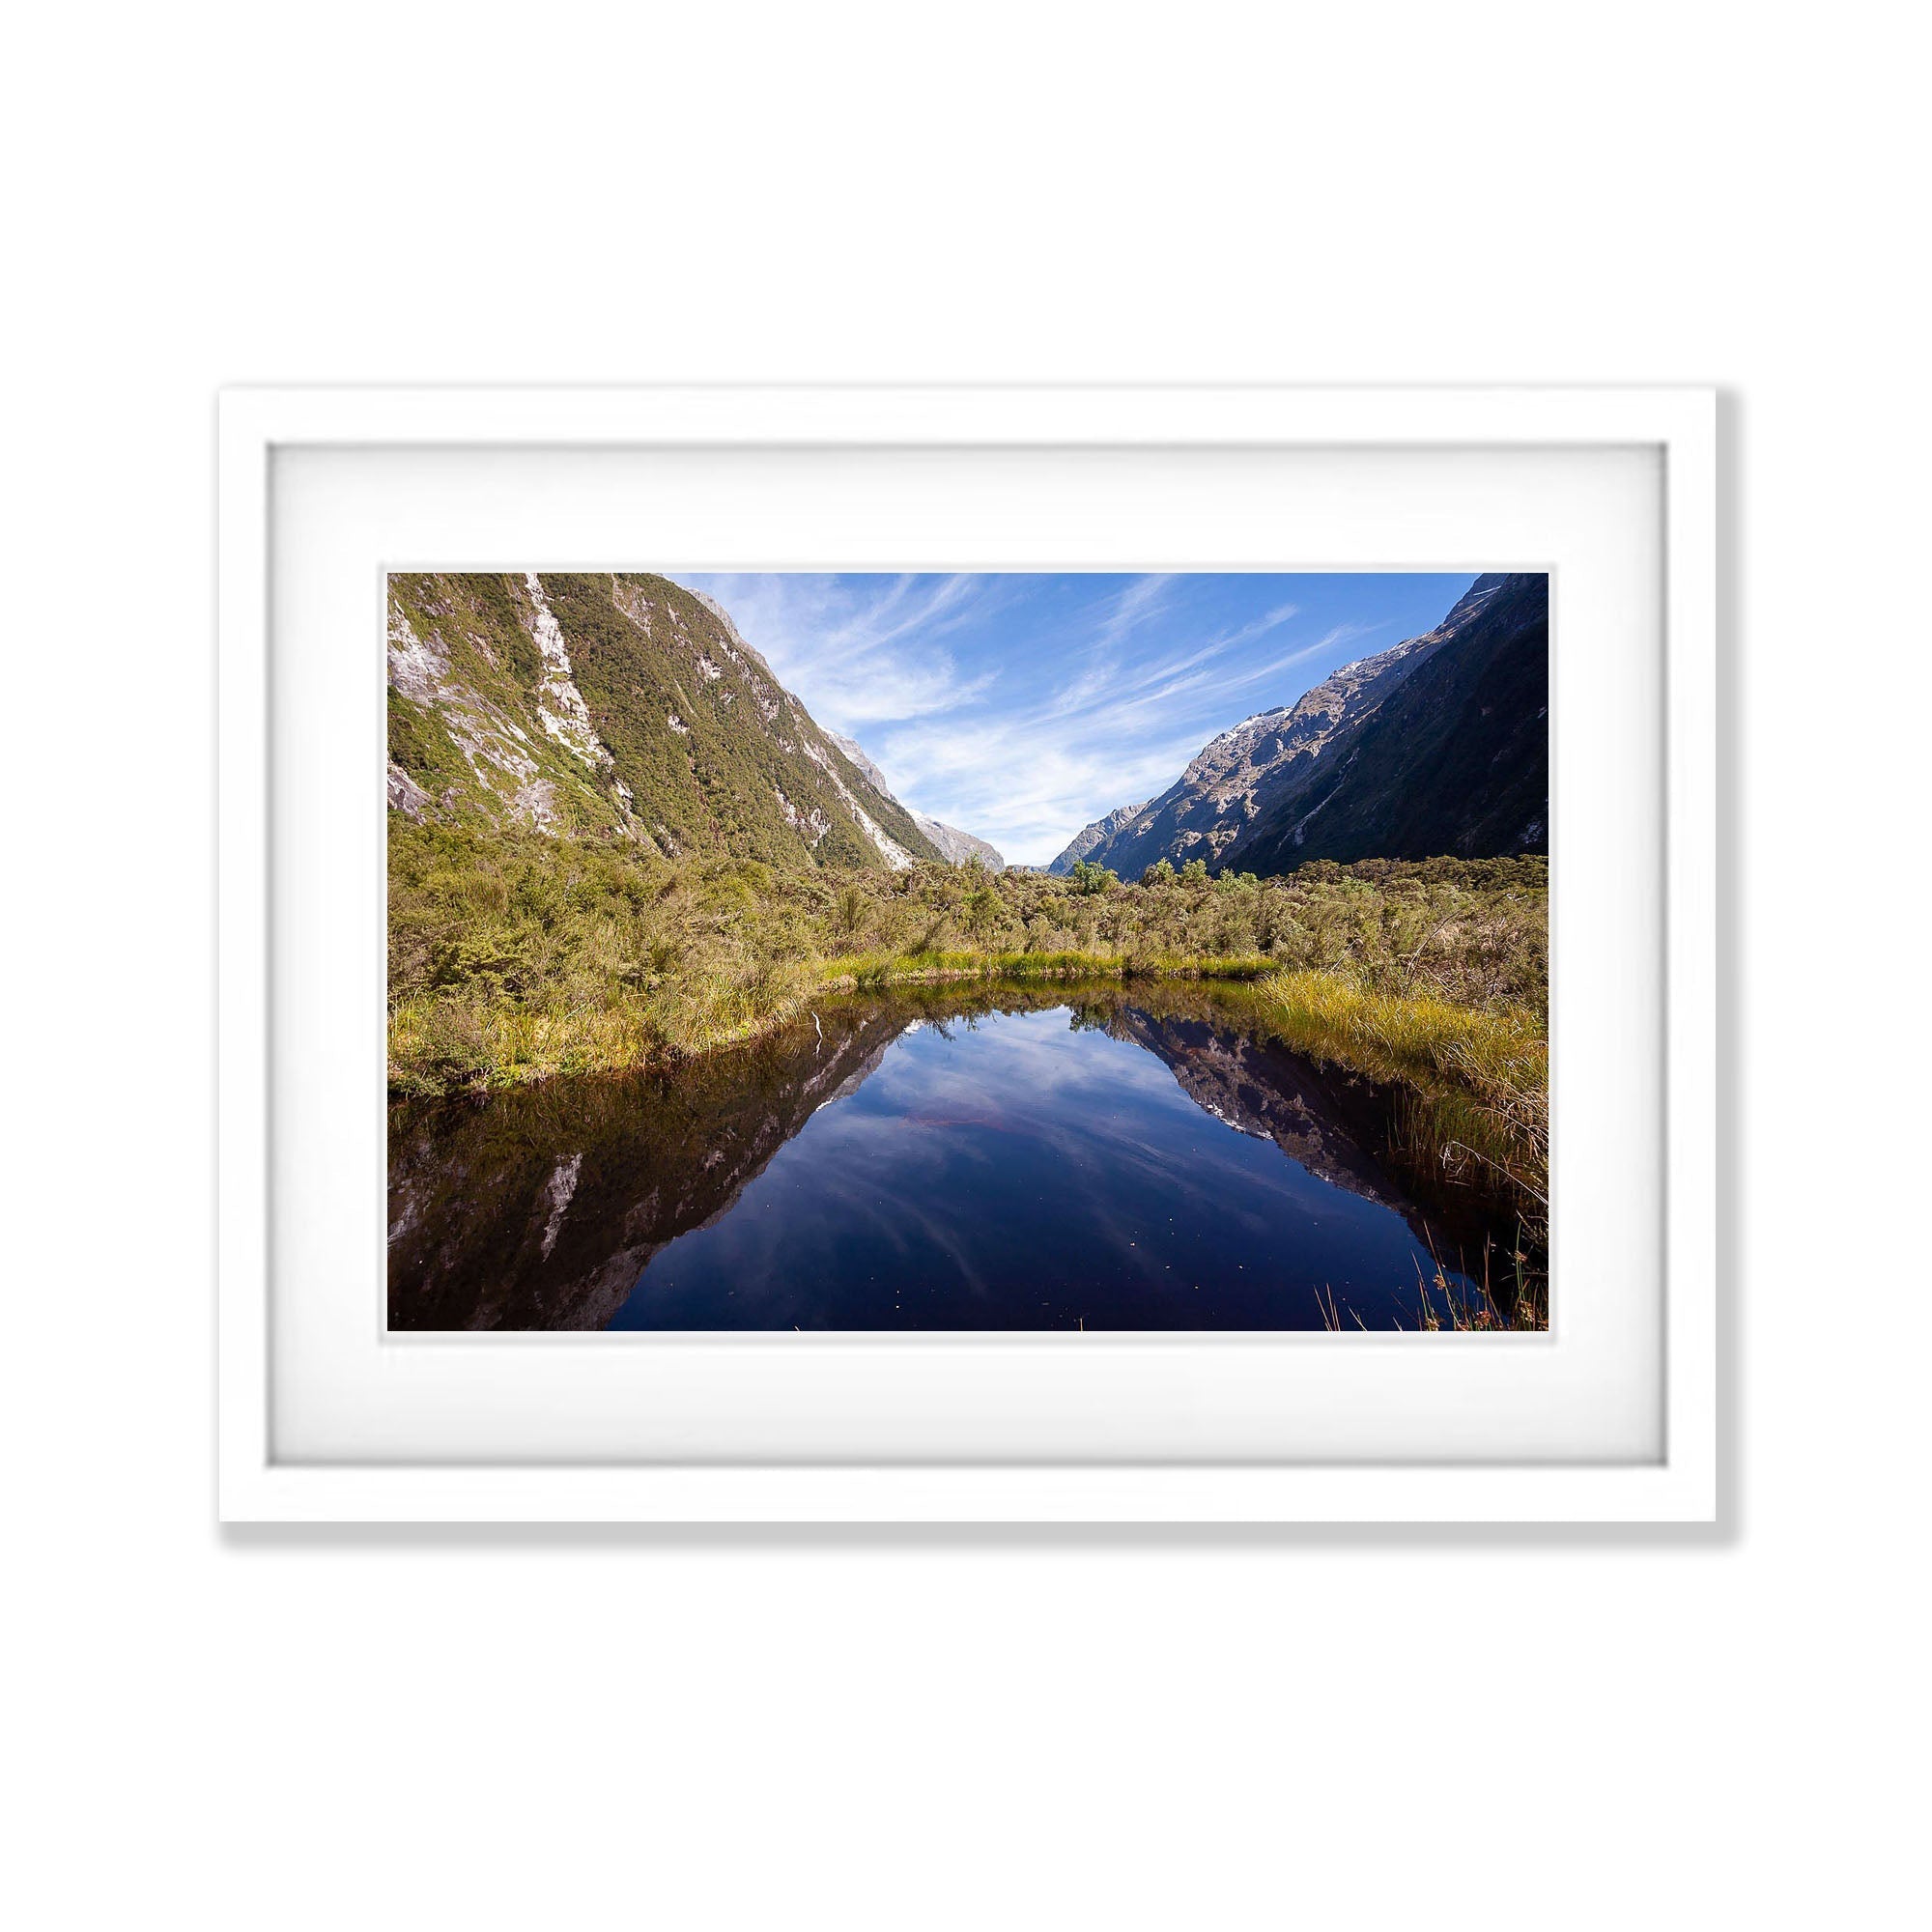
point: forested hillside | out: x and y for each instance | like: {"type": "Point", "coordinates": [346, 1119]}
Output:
{"type": "Point", "coordinates": [622, 708]}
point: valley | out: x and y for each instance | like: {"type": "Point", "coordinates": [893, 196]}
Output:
{"type": "Point", "coordinates": [620, 849]}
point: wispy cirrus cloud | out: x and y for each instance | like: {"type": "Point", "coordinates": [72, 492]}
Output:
{"type": "Point", "coordinates": [1021, 707]}
{"type": "Point", "coordinates": [1032, 786]}
{"type": "Point", "coordinates": [1163, 675]}
{"type": "Point", "coordinates": [1111, 623]}
{"type": "Point", "coordinates": [868, 653]}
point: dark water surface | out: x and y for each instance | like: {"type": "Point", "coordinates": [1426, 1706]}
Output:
{"type": "Point", "coordinates": [1022, 1157]}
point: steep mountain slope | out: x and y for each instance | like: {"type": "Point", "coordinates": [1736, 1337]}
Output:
{"type": "Point", "coordinates": [856, 751]}
{"type": "Point", "coordinates": [1254, 786]}
{"type": "Point", "coordinates": [960, 848]}
{"type": "Point", "coordinates": [621, 706]}
{"type": "Point", "coordinates": [1236, 778]}
{"type": "Point", "coordinates": [956, 847]}
{"type": "Point", "coordinates": [1453, 761]}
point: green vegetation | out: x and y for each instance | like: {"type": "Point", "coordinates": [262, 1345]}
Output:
{"type": "Point", "coordinates": [515, 958]}
{"type": "Point", "coordinates": [654, 852]}
{"type": "Point", "coordinates": [1474, 1106]}
{"type": "Point", "coordinates": [699, 749]}
{"type": "Point", "coordinates": [1085, 878]}
{"type": "Point", "coordinates": [477, 750]}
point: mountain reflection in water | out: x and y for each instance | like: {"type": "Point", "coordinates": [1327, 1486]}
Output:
{"type": "Point", "coordinates": [929, 1159]}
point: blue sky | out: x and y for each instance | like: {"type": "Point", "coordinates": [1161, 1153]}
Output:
{"type": "Point", "coordinates": [1023, 707]}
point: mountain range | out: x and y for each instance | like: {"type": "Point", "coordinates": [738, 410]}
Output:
{"type": "Point", "coordinates": [626, 707]}
{"type": "Point", "coordinates": [1437, 747]}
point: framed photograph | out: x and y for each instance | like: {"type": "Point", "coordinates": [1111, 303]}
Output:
{"type": "Point", "coordinates": [964, 955]}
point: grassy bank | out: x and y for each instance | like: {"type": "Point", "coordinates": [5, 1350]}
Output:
{"type": "Point", "coordinates": [1491, 1069]}
{"type": "Point", "coordinates": [1474, 1109]}
{"type": "Point", "coordinates": [436, 1043]}
{"type": "Point", "coordinates": [514, 959]}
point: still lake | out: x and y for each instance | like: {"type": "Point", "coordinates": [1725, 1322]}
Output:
{"type": "Point", "coordinates": [989, 1158]}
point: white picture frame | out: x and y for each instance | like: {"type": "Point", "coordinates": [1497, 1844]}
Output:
{"type": "Point", "coordinates": [1673, 429]}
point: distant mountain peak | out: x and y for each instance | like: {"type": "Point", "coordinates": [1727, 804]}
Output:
{"type": "Point", "coordinates": [956, 847]}
{"type": "Point", "coordinates": [856, 751]}
{"type": "Point", "coordinates": [1091, 837]}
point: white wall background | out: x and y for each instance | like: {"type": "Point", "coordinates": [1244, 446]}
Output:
{"type": "Point", "coordinates": [582, 1729]}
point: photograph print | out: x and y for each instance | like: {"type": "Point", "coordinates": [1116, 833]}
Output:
{"type": "Point", "coordinates": [1018, 951]}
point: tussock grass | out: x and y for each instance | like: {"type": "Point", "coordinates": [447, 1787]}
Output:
{"type": "Point", "coordinates": [1473, 1105]}
{"type": "Point", "coordinates": [1482, 1076]}
{"type": "Point", "coordinates": [1501, 1056]}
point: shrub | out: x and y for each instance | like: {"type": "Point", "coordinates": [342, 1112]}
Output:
{"type": "Point", "coordinates": [511, 956]}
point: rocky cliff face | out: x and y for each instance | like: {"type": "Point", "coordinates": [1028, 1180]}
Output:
{"type": "Point", "coordinates": [617, 706]}
{"type": "Point", "coordinates": [1247, 794]}
{"type": "Point", "coordinates": [956, 847]}
{"type": "Point", "coordinates": [1453, 761]}
{"type": "Point", "coordinates": [1090, 838]}
{"type": "Point", "coordinates": [1235, 777]}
